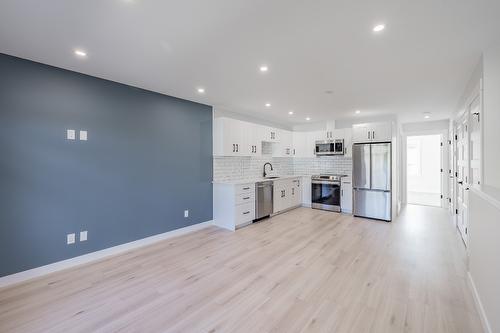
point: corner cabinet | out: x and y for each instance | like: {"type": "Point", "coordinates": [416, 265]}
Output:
{"type": "Point", "coordinates": [372, 132]}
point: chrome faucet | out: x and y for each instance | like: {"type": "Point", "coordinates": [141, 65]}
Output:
{"type": "Point", "coordinates": [265, 168]}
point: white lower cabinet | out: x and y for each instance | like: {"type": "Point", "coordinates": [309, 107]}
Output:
{"type": "Point", "coordinates": [346, 195]}
{"type": "Point", "coordinates": [287, 194]}
{"type": "Point", "coordinates": [234, 205]}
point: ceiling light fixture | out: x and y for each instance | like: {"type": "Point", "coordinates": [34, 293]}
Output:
{"type": "Point", "coordinates": [358, 111]}
{"type": "Point", "coordinates": [427, 115]}
{"type": "Point", "coordinates": [308, 118]}
{"type": "Point", "coordinates": [201, 90]}
{"type": "Point", "coordinates": [290, 112]}
{"type": "Point", "coordinates": [264, 68]}
{"type": "Point", "coordinates": [378, 28]}
{"type": "Point", "coordinates": [268, 105]}
{"type": "Point", "coordinates": [80, 53]}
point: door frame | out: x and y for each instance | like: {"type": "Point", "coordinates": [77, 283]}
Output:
{"type": "Point", "coordinates": [444, 162]}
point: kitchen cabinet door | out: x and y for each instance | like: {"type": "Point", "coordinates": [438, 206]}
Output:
{"type": "Point", "coordinates": [295, 192]}
{"type": "Point", "coordinates": [381, 132]}
{"type": "Point", "coordinates": [228, 137]}
{"type": "Point", "coordinates": [346, 196]}
{"type": "Point", "coordinates": [299, 144]}
{"type": "Point", "coordinates": [361, 133]}
{"type": "Point", "coordinates": [347, 142]}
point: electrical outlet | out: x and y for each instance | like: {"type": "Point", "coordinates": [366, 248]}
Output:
{"type": "Point", "coordinates": [70, 239]}
{"type": "Point", "coordinates": [83, 236]}
{"type": "Point", "coordinates": [70, 134]}
{"type": "Point", "coordinates": [83, 135]}
{"type": "Point", "coordinates": [186, 213]}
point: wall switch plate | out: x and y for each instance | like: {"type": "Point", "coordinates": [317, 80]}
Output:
{"type": "Point", "coordinates": [83, 236]}
{"type": "Point", "coordinates": [70, 134]}
{"type": "Point", "coordinates": [186, 213]}
{"type": "Point", "coordinates": [83, 135]}
{"type": "Point", "coordinates": [70, 239]}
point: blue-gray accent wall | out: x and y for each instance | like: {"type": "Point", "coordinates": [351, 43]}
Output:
{"type": "Point", "coordinates": [148, 158]}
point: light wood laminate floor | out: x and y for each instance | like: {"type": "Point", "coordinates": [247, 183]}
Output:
{"type": "Point", "coordinates": [302, 271]}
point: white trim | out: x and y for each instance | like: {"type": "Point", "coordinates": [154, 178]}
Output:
{"type": "Point", "coordinates": [479, 305]}
{"type": "Point", "coordinates": [489, 194]}
{"type": "Point", "coordinates": [97, 255]}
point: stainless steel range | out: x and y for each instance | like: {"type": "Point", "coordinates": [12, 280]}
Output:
{"type": "Point", "coordinates": [325, 192]}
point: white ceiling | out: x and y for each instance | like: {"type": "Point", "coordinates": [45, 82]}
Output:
{"type": "Point", "coordinates": [420, 63]}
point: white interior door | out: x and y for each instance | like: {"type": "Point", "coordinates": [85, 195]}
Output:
{"type": "Point", "coordinates": [475, 142]}
{"type": "Point", "coordinates": [462, 179]}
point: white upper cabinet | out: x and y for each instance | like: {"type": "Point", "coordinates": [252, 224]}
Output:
{"type": "Point", "coordinates": [269, 134]}
{"type": "Point", "coordinates": [330, 131]}
{"type": "Point", "coordinates": [228, 137]}
{"type": "Point", "coordinates": [299, 143]}
{"type": "Point", "coordinates": [284, 148]}
{"type": "Point", "coordinates": [372, 132]}
{"type": "Point", "coordinates": [252, 139]}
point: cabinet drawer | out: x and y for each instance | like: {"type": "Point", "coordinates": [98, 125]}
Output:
{"type": "Point", "coordinates": [245, 189]}
{"type": "Point", "coordinates": [244, 213]}
{"type": "Point", "coordinates": [245, 198]}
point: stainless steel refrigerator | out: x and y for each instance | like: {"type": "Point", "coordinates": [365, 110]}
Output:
{"type": "Point", "coordinates": [371, 178]}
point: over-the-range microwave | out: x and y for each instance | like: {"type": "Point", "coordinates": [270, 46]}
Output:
{"type": "Point", "coordinates": [329, 147]}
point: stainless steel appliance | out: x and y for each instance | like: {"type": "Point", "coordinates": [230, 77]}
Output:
{"type": "Point", "coordinates": [263, 199]}
{"type": "Point", "coordinates": [325, 192]}
{"type": "Point", "coordinates": [330, 147]}
{"type": "Point", "coordinates": [371, 180]}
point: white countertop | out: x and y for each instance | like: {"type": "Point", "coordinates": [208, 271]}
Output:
{"type": "Point", "coordinates": [259, 179]}
{"type": "Point", "coordinates": [255, 180]}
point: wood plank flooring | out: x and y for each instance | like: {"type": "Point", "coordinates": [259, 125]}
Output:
{"type": "Point", "coordinates": [302, 271]}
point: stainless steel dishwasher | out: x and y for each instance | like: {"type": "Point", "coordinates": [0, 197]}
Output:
{"type": "Point", "coordinates": [263, 199]}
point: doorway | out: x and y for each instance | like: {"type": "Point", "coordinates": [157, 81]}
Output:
{"type": "Point", "coordinates": [424, 170]}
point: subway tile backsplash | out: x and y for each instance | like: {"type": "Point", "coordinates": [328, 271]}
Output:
{"type": "Point", "coordinates": [228, 168]}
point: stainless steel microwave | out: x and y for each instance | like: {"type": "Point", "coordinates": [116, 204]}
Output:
{"type": "Point", "coordinates": [329, 147]}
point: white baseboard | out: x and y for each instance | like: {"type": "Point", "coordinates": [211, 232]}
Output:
{"type": "Point", "coordinates": [479, 305]}
{"type": "Point", "coordinates": [93, 256]}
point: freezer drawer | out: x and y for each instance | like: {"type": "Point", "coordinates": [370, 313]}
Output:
{"type": "Point", "coordinates": [372, 204]}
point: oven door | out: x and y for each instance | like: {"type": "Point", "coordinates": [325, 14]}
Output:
{"type": "Point", "coordinates": [325, 195]}
{"type": "Point", "coordinates": [325, 147]}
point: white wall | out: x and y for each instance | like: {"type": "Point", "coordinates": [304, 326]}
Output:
{"type": "Point", "coordinates": [484, 248]}
{"type": "Point", "coordinates": [491, 117]}
{"type": "Point", "coordinates": [484, 212]}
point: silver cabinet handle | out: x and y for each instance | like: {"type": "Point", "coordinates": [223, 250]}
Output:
{"type": "Point", "coordinates": [373, 135]}
{"type": "Point", "coordinates": [246, 198]}
{"type": "Point", "coordinates": [234, 148]}
{"type": "Point", "coordinates": [368, 134]}
{"type": "Point", "coordinates": [245, 213]}
{"type": "Point", "coordinates": [246, 188]}
{"type": "Point", "coordinates": [237, 147]}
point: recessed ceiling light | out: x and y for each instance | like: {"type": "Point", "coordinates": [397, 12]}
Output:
{"type": "Point", "coordinates": [427, 115]}
{"type": "Point", "coordinates": [80, 53]}
{"type": "Point", "coordinates": [290, 112]}
{"type": "Point", "coordinates": [268, 105]}
{"type": "Point", "coordinates": [201, 90]}
{"type": "Point", "coordinates": [378, 27]}
{"type": "Point", "coordinates": [264, 68]}
{"type": "Point", "coordinates": [308, 118]}
{"type": "Point", "coordinates": [358, 111]}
